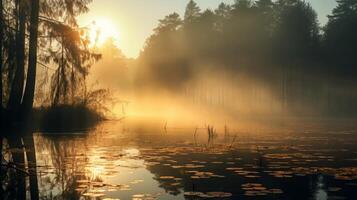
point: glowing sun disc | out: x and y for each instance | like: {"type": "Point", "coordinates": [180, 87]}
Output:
{"type": "Point", "coordinates": [101, 30]}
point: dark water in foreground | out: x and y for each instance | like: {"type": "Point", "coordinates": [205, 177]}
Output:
{"type": "Point", "coordinates": [119, 161]}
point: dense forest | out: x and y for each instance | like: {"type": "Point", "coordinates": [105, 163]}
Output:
{"type": "Point", "coordinates": [257, 52]}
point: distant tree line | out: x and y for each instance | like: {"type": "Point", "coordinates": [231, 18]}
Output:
{"type": "Point", "coordinates": [41, 34]}
{"type": "Point", "coordinates": [280, 43]}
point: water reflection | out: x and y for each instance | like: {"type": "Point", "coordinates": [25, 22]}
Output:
{"type": "Point", "coordinates": [93, 165]}
{"type": "Point", "coordinates": [18, 166]}
{"type": "Point", "coordinates": [321, 193]}
{"type": "Point", "coordinates": [112, 162]}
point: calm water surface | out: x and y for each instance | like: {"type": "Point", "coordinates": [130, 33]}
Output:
{"type": "Point", "coordinates": [120, 161]}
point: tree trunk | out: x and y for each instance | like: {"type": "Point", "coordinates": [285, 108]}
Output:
{"type": "Point", "coordinates": [32, 167]}
{"type": "Point", "coordinates": [31, 74]}
{"type": "Point", "coordinates": [1, 160]}
{"type": "Point", "coordinates": [18, 82]}
{"type": "Point", "coordinates": [19, 159]}
{"type": "Point", "coordinates": [1, 54]}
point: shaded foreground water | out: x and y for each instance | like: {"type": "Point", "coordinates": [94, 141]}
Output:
{"type": "Point", "coordinates": [120, 160]}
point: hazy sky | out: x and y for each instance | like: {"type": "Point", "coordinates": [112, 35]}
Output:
{"type": "Point", "coordinates": [135, 19]}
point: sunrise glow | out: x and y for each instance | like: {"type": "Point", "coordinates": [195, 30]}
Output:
{"type": "Point", "coordinates": [101, 30]}
{"type": "Point", "coordinates": [178, 99]}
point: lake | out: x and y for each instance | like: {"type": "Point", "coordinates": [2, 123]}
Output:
{"type": "Point", "coordinates": [144, 161]}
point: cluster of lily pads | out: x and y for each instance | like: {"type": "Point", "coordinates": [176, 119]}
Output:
{"type": "Point", "coordinates": [346, 173]}
{"type": "Point", "coordinates": [203, 175]}
{"type": "Point", "coordinates": [144, 197]}
{"type": "Point", "coordinates": [257, 189]}
{"type": "Point", "coordinates": [97, 188]}
{"type": "Point", "coordinates": [208, 194]}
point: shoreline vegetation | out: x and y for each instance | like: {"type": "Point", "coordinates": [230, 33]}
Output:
{"type": "Point", "coordinates": [56, 119]}
{"type": "Point", "coordinates": [66, 118]}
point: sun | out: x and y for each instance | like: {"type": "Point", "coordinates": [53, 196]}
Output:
{"type": "Point", "coordinates": [101, 30]}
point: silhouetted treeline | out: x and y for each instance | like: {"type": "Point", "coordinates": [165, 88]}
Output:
{"type": "Point", "coordinates": [41, 44]}
{"type": "Point", "coordinates": [277, 43]}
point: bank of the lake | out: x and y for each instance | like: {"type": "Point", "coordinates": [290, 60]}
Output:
{"type": "Point", "coordinates": [60, 118]}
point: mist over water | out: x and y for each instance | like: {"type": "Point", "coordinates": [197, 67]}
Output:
{"type": "Point", "coordinates": [214, 94]}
